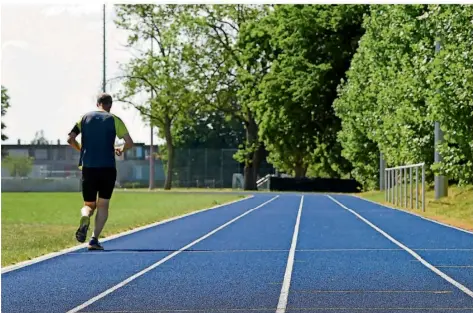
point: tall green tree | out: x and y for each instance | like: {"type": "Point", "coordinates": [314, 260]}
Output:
{"type": "Point", "coordinates": [216, 62]}
{"type": "Point", "coordinates": [212, 131]}
{"type": "Point", "coordinates": [160, 71]}
{"type": "Point", "coordinates": [451, 87]}
{"type": "Point", "coordinates": [5, 106]}
{"type": "Point", "coordinates": [397, 87]}
{"type": "Point", "coordinates": [309, 48]}
{"type": "Point", "coordinates": [383, 103]}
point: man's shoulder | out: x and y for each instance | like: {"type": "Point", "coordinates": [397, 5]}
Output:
{"type": "Point", "coordinates": [117, 118]}
{"type": "Point", "coordinates": [102, 114]}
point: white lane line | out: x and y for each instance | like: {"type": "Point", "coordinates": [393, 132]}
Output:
{"type": "Point", "coordinates": [125, 233]}
{"type": "Point", "coordinates": [455, 266]}
{"type": "Point", "coordinates": [415, 255]}
{"type": "Point", "coordinates": [131, 278]}
{"type": "Point", "coordinates": [282, 304]}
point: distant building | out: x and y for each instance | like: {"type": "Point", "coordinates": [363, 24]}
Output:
{"type": "Point", "coordinates": [193, 167]}
{"type": "Point", "coordinates": [61, 160]}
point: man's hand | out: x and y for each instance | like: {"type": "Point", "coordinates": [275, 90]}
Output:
{"type": "Point", "coordinates": [119, 150]}
{"type": "Point", "coordinates": [71, 140]}
{"type": "Point", "coordinates": [128, 145]}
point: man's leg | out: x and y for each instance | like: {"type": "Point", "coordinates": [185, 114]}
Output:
{"type": "Point", "coordinates": [107, 184]}
{"type": "Point", "coordinates": [89, 193]}
{"type": "Point", "coordinates": [87, 211]}
{"type": "Point", "coordinates": [101, 217]}
{"type": "Point", "coordinates": [88, 208]}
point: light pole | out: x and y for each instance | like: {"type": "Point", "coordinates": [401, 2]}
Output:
{"type": "Point", "coordinates": [441, 183]}
{"type": "Point", "coordinates": [382, 167]}
{"type": "Point", "coordinates": [151, 150]}
{"type": "Point", "coordinates": [104, 53]}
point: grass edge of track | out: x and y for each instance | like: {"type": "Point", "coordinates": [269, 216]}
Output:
{"type": "Point", "coordinates": [456, 209]}
{"type": "Point", "coordinates": [25, 238]}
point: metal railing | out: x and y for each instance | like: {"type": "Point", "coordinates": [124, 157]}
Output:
{"type": "Point", "coordinates": [263, 183]}
{"type": "Point", "coordinates": [396, 181]}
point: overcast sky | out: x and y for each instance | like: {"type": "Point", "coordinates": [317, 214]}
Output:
{"type": "Point", "coordinates": [52, 68]}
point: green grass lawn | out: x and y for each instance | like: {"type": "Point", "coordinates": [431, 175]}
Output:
{"type": "Point", "coordinates": [455, 210]}
{"type": "Point", "coordinates": [34, 224]}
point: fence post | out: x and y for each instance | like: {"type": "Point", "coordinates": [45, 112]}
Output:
{"type": "Point", "coordinates": [386, 189]}
{"type": "Point", "coordinates": [400, 188]}
{"type": "Point", "coordinates": [405, 188]}
{"type": "Point", "coordinates": [395, 187]}
{"type": "Point", "coordinates": [410, 187]}
{"type": "Point", "coordinates": [205, 170]}
{"type": "Point", "coordinates": [392, 186]}
{"type": "Point", "coordinates": [423, 188]}
{"type": "Point", "coordinates": [382, 166]}
{"type": "Point", "coordinates": [396, 184]}
{"type": "Point", "coordinates": [417, 188]}
{"type": "Point", "coordinates": [189, 168]}
{"type": "Point", "coordinates": [221, 167]}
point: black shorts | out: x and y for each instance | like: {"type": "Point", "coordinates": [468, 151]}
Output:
{"type": "Point", "coordinates": [100, 180]}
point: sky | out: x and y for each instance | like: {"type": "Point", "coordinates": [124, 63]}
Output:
{"type": "Point", "coordinates": [51, 64]}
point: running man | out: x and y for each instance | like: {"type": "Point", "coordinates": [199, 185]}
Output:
{"type": "Point", "coordinates": [97, 161]}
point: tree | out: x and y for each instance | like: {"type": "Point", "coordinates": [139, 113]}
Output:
{"type": "Point", "coordinates": [210, 130]}
{"type": "Point", "coordinates": [18, 166]}
{"type": "Point", "coordinates": [216, 63]}
{"type": "Point", "coordinates": [39, 139]}
{"type": "Point", "coordinates": [309, 48]}
{"type": "Point", "coordinates": [397, 87]}
{"type": "Point", "coordinates": [383, 104]}
{"type": "Point", "coordinates": [161, 71]}
{"type": "Point", "coordinates": [198, 146]}
{"type": "Point", "coordinates": [5, 106]}
{"type": "Point", "coordinates": [451, 87]}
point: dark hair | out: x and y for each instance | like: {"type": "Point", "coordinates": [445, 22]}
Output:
{"type": "Point", "coordinates": [104, 99]}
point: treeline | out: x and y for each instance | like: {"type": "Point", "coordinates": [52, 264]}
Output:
{"type": "Point", "coordinates": [397, 87]}
{"type": "Point", "coordinates": [320, 90]}
{"type": "Point", "coordinates": [5, 105]}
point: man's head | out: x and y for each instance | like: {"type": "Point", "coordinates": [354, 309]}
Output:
{"type": "Point", "coordinates": [104, 101]}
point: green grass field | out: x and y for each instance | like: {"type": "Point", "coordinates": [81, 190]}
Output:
{"type": "Point", "coordinates": [34, 224]}
{"type": "Point", "coordinates": [456, 209]}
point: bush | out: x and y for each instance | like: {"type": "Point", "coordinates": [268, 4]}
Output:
{"type": "Point", "coordinates": [18, 166]}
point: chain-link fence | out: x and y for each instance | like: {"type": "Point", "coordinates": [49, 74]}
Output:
{"type": "Point", "coordinates": [193, 167]}
{"type": "Point", "coordinates": [207, 168]}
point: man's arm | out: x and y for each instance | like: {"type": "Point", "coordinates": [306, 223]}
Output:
{"type": "Point", "coordinates": [122, 133]}
{"type": "Point", "coordinates": [71, 139]}
{"type": "Point", "coordinates": [128, 144]}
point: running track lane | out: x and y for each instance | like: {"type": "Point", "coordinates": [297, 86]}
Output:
{"type": "Point", "coordinates": [63, 282]}
{"type": "Point", "coordinates": [242, 272]}
{"type": "Point", "coordinates": [322, 233]}
{"type": "Point", "coordinates": [449, 249]}
{"type": "Point", "coordinates": [344, 265]}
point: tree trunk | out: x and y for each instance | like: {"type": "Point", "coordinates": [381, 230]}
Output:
{"type": "Point", "coordinates": [300, 170]}
{"type": "Point", "coordinates": [170, 147]}
{"type": "Point", "coordinates": [253, 158]}
{"type": "Point", "coordinates": [250, 181]}
{"type": "Point", "coordinates": [257, 159]}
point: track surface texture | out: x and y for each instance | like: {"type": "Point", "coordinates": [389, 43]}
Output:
{"type": "Point", "coordinates": [269, 253]}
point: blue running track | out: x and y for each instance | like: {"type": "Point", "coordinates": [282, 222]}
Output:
{"type": "Point", "coordinates": [343, 254]}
